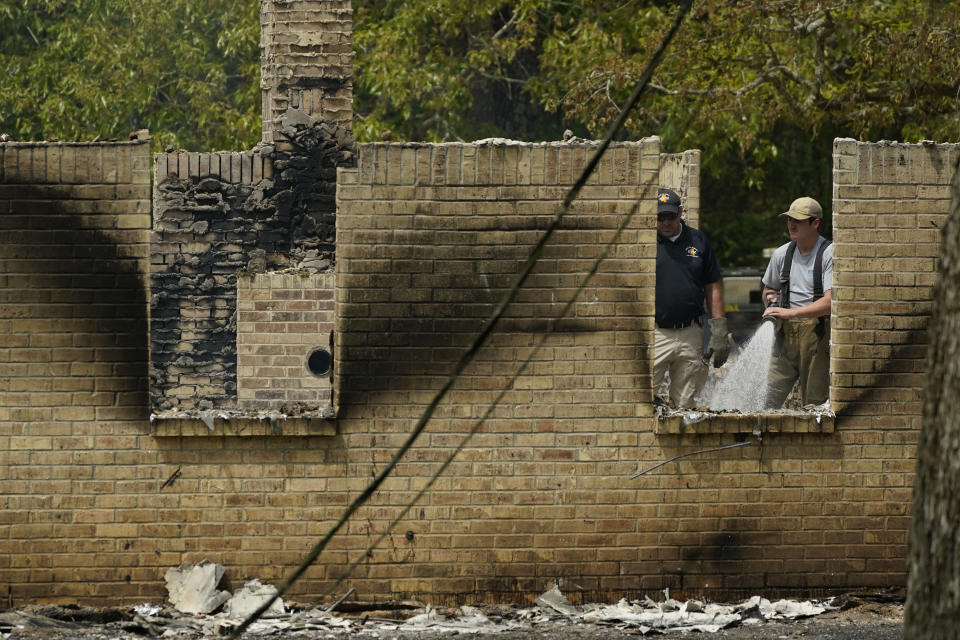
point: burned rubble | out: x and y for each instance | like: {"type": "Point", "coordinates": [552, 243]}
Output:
{"type": "Point", "coordinates": [194, 590]}
{"type": "Point", "coordinates": [550, 616]}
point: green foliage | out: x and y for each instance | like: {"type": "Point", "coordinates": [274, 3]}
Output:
{"type": "Point", "coordinates": [761, 86]}
{"type": "Point", "coordinates": [446, 70]}
{"type": "Point", "coordinates": [188, 71]}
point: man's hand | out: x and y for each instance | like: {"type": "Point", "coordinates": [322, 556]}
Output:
{"type": "Point", "coordinates": [718, 349]}
{"type": "Point", "coordinates": [779, 312]}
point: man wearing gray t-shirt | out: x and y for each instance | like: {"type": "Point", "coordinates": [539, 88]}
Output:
{"type": "Point", "coordinates": [801, 307]}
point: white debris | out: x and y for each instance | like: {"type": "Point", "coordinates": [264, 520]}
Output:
{"type": "Point", "coordinates": [253, 595]}
{"type": "Point", "coordinates": [791, 609]}
{"type": "Point", "coordinates": [208, 419]}
{"type": "Point", "coordinates": [426, 618]}
{"type": "Point", "coordinates": [499, 141]}
{"type": "Point", "coordinates": [567, 141]}
{"type": "Point", "coordinates": [553, 599]}
{"type": "Point", "coordinates": [668, 615]}
{"type": "Point", "coordinates": [671, 615]}
{"type": "Point", "coordinates": [147, 609]}
{"type": "Point", "coordinates": [693, 417]}
{"type": "Point", "coordinates": [193, 589]}
{"type": "Point", "coordinates": [471, 620]}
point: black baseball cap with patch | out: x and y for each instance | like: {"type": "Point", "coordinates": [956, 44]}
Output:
{"type": "Point", "coordinates": [668, 201]}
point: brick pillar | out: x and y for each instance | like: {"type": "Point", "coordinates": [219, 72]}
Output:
{"type": "Point", "coordinates": [306, 62]}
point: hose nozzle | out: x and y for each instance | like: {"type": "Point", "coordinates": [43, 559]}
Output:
{"type": "Point", "coordinates": [772, 299]}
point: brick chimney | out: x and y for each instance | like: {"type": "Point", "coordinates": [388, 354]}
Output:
{"type": "Point", "coordinates": [306, 62]}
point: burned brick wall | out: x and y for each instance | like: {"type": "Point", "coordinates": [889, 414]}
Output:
{"type": "Point", "coordinates": [220, 214]}
{"type": "Point", "coordinates": [97, 503]}
{"type": "Point", "coordinates": [74, 223]}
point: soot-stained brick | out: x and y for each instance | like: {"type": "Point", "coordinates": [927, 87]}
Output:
{"type": "Point", "coordinates": [207, 229]}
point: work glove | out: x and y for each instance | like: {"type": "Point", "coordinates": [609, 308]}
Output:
{"type": "Point", "coordinates": [718, 349]}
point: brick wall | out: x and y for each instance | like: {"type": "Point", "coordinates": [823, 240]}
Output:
{"type": "Point", "coordinates": [890, 202]}
{"type": "Point", "coordinates": [74, 220]}
{"type": "Point", "coordinates": [429, 239]}
{"type": "Point", "coordinates": [430, 236]}
{"type": "Point", "coordinates": [306, 53]}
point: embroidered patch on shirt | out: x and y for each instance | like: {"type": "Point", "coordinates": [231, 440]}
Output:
{"type": "Point", "coordinates": [693, 252]}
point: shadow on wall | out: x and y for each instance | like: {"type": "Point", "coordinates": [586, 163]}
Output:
{"type": "Point", "coordinates": [882, 387]}
{"type": "Point", "coordinates": [77, 306]}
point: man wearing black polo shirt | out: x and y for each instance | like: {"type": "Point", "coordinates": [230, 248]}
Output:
{"type": "Point", "coordinates": [687, 275]}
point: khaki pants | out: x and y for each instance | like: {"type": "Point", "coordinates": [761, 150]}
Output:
{"type": "Point", "coordinates": [804, 357]}
{"type": "Point", "coordinates": [679, 351]}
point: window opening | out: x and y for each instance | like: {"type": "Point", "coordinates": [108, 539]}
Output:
{"type": "Point", "coordinates": [739, 388]}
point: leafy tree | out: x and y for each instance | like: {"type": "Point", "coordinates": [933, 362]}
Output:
{"type": "Point", "coordinates": [448, 70]}
{"type": "Point", "coordinates": [761, 86]}
{"type": "Point", "coordinates": [188, 71]}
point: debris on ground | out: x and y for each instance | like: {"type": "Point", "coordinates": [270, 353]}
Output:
{"type": "Point", "coordinates": [647, 616]}
{"type": "Point", "coordinates": [253, 595]}
{"type": "Point", "coordinates": [193, 589]}
{"type": "Point", "coordinates": [468, 620]}
{"type": "Point", "coordinates": [555, 600]}
{"type": "Point", "coordinates": [551, 615]}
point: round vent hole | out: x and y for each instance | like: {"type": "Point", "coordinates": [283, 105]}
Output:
{"type": "Point", "coordinates": [319, 362]}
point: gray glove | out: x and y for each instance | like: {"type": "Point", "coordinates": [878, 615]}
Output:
{"type": "Point", "coordinates": [719, 348]}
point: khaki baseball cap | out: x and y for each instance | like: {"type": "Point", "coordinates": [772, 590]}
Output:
{"type": "Point", "coordinates": [804, 208]}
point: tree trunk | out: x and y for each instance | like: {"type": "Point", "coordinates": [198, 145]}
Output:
{"type": "Point", "coordinates": [933, 558]}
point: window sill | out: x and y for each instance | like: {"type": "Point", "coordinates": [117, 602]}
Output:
{"type": "Point", "coordinates": [767, 422]}
{"type": "Point", "coordinates": [241, 425]}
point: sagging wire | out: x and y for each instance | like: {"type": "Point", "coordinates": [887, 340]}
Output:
{"type": "Point", "coordinates": [702, 451]}
{"type": "Point", "coordinates": [484, 333]}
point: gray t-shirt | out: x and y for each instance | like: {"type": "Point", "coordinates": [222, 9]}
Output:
{"type": "Point", "coordinates": [801, 272]}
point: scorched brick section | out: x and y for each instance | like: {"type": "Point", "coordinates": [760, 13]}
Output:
{"type": "Point", "coordinates": [430, 238]}
{"type": "Point", "coordinates": [74, 225]}
{"type": "Point", "coordinates": [217, 215]}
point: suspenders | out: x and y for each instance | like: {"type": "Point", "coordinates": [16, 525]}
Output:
{"type": "Point", "coordinates": [817, 273]}
{"type": "Point", "coordinates": [817, 280]}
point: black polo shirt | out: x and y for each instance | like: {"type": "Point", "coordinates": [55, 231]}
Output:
{"type": "Point", "coordinates": [684, 267]}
